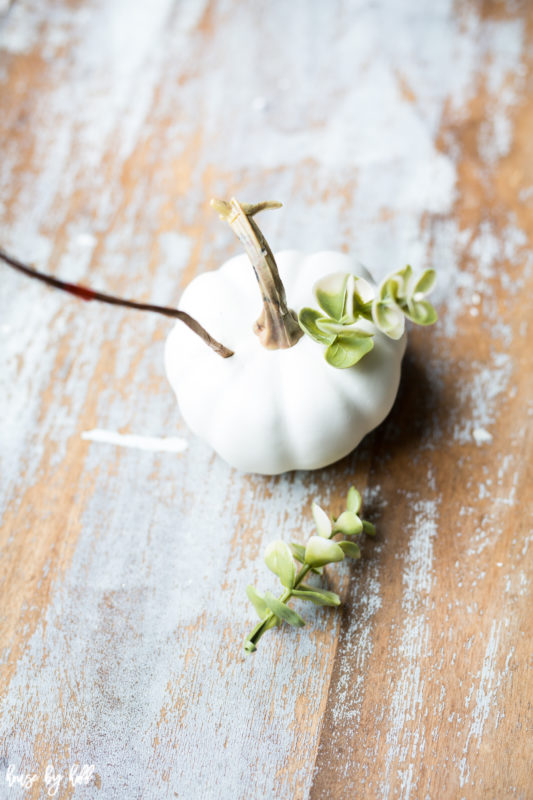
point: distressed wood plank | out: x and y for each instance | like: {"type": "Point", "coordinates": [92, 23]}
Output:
{"type": "Point", "coordinates": [442, 711]}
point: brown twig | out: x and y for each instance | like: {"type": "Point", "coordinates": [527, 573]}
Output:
{"type": "Point", "coordinates": [89, 294]}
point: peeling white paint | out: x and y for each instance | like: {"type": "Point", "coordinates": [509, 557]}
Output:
{"type": "Point", "coordinates": [154, 443]}
{"type": "Point", "coordinates": [485, 697]}
{"type": "Point", "coordinates": [407, 697]}
{"type": "Point", "coordinates": [482, 436]}
{"type": "Point", "coordinates": [479, 398]}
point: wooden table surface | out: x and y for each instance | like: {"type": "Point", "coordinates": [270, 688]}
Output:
{"type": "Point", "coordinates": [399, 131]}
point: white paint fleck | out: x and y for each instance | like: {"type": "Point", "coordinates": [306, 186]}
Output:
{"type": "Point", "coordinates": [259, 104]}
{"type": "Point", "coordinates": [485, 696]}
{"type": "Point", "coordinates": [86, 239]}
{"type": "Point", "coordinates": [407, 699]}
{"type": "Point", "coordinates": [483, 491]}
{"type": "Point", "coordinates": [154, 443]}
{"type": "Point", "coordinates": [482, 436]}
{"type": "Point", "coordinates": [480, 395]}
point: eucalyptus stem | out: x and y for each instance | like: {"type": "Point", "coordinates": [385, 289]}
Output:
{"type": "Point", "coordinates": [89, 294]}
{"type": "Point", "coordinates": [319, 551]}
{"type": "Point", "coordinates": [277, 326]}
{"type": "Point", "coordinates": [250, 643]}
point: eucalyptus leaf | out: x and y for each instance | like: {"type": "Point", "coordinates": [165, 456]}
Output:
{"type": "Point", "coordinates": [425, 283]}
{"type": "Point", "coordinates": [348, 329]}
{"type": "Point", "coordinates": [351, 549]}
{"type": "Point", "coordinates": [331, 327]}
{"type": "Point", "coordinates": [348, 350]}
{"type": "Point", "coordinates": [364, 292]}
{"type": "Point", "coordinates": [321, 551]}
{"type": "Point", "coordinates": [318, 596]}
{"type": "Point", "coordinates": [348, 523]}
{"type": "Point", "coordinates": [308, 319]}
{"type": "Point", "coordinates": [298, 551]}
{"type": "Point", "coordinates": [421, 312]}
{"type": "Point", "coordinates": [384, 294]}
{"type": "Point", "coordinates": [331, 292]}
{"type": "Point", "coordinates": [283, 611]}
{"type": "Point", "coordinates": [388, 318]}
{"type": "Point", "coordinates": [362, 309]}
{"type": "Point", "coordinates": [278, 558]}
{"type": "Point", "coordinates": [353, 333]}
{"type": "Point", "coordinates": [257, 601]}
{"type": "Point", "coordinates": [389, 288]}
{"type": "Point", "coordinates": [395, 287]}
{"type": "Point", "coordinates": [368, 528]}
{"type": "Point", "coordinates": [404, 280]}
{"type": "Point", "coordinates": [353, 500]}
{"type": "Point", "coordinates": [322, 521]}
{"type": "Point", "coordinates": [348, 311]}
{"type": "Point", "coordinates": [273, 622]}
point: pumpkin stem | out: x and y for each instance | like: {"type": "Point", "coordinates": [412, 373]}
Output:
{"type": "Point", "coordinates": [277, 327]}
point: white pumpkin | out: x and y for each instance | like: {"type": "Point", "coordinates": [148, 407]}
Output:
{"type": "Point", "coordinates": [273, 410]}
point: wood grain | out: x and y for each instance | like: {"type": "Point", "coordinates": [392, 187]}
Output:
{"type": "Point", "coordinates": [397, 132]}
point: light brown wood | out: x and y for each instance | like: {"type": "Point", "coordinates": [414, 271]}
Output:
{"type": "Point", "coordinates": [396, 132]}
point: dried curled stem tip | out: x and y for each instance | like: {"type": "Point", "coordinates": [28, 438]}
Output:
{"type": "Point", "coordinates": [277, 328]}
{"type": "Point", "coordinates": [87, 294]}
{"type": "Point", "coordinates": [224, 209]}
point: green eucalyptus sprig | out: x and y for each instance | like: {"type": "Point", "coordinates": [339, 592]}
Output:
{"type": "Point", "coordinates": [401, 294]}
{"type": "Point", "coordinates": [351, 310]}
{"type": "Point", "coordinates": [319, 551]}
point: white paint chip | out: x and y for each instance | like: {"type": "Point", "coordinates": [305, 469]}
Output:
{"type": "Point", "coordinates": [482, 436]}
{"type": "Point", "coordinates": [154, 443]}
{"type": "Point", "coordinates": [259, 104]}
{"type": "Point", "coordinates": [86, 240]}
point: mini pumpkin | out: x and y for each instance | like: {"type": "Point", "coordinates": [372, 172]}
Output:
{"type": "Point", "coordinates": [274, 403]}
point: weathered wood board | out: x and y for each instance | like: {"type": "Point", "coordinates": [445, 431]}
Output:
{"type": "Point", "coordinates": [400, 131]}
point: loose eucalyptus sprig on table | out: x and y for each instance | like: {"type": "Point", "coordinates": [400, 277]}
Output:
{"type": "Point", "coordinates": [349, 303]}
{"type": "Point", "coordinates": [319, 551]}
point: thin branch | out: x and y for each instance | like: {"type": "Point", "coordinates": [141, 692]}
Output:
{"type": "Point", "coordinates": [88, 294]}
